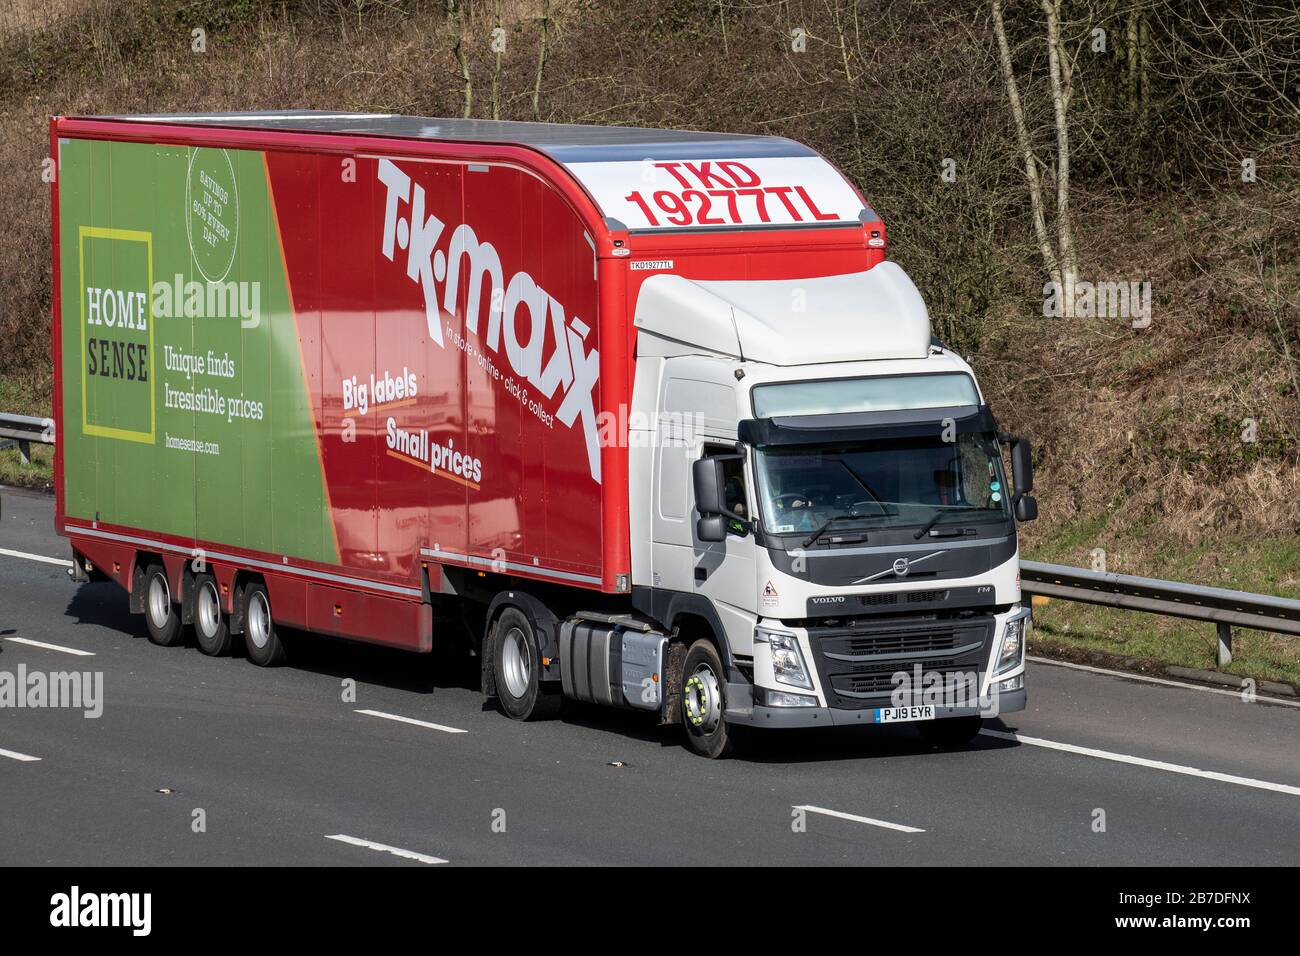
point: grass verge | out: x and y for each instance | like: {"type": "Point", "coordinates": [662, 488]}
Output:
{"type": "Point", "coordinates": [26, 395]}
{"type": "Point", "coordinates": [1136, 640]}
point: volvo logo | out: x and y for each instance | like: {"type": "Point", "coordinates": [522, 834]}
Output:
{"type": "Point", "coordinates": [899, 568]}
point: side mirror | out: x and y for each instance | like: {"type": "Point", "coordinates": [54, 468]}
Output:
{"type": "Point", "coordinates": [1022, 466]}
{"type": "Point", "coordinates": [706, 475]}
{"type": "Point", "coordinates": [1026, 508]}
{"type": "Point", "coordinates": [711, 528]}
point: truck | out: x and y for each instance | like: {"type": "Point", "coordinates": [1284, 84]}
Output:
{"type": "Point", "coordinates": [645, 418]}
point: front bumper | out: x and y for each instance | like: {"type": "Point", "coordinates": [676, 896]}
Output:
{"type": "Point", "coordinates": [785, 717]}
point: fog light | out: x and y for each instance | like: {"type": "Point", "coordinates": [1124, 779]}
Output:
{"type": "Point", "coordinates": [1012, 683]}
{"type": "Point", "coordinates": [779, 698]}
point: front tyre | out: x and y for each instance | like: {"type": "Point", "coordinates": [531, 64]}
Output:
{"type": "Point", "coordinates": [949, 733]}
{"type": "Point", "coordinates": [265, 648]}
{"type": "Point", "coordinates": [161, 614]}
{"type": "Point", "coordinates": [704, 702]}
{"type": "Point", "coordinates": [517, 664]}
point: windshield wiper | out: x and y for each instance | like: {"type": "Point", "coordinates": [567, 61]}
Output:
{"type": "Point", "coordinates": [831, 521]}
{"type": "Point", "coordinates": [934, 520]}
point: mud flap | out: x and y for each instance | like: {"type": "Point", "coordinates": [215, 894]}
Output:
{"type": "Point", "coordinates": [672, 706]}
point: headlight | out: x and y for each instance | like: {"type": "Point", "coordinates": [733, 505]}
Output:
{"type": "Point", "coordinates": [1013, 644]}
{"type": "Point", "coordinates": [787, 660]}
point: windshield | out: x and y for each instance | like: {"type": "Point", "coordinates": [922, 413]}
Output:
{"type": "Point", "coordinates": [894, 482]}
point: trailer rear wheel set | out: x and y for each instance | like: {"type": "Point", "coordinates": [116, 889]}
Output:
{"type": "Point", "coordinates": [166, 614]}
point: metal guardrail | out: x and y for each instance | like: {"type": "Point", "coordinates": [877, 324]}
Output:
{"type": "Point", "coordinates": [23, 430]}
{"type": "Point", "coordinates": [1220, 606]}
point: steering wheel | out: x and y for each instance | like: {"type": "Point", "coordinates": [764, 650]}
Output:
{"type": "Point", "coordinates": [880, 505]}
{"type": "Point", "coordinates": [798, 500]}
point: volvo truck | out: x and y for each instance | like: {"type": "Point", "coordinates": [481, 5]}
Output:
{"type": "Point", "coordinates": [644, 417]}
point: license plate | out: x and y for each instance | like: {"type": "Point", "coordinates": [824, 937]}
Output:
{"type": "Point", "coordinates": [892, 715]}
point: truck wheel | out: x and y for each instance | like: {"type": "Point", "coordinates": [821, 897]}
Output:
{"type": "Point", "coordinates": [265, 648]}
{"type": "Point", "coordinates": [211, 629]}
{"type": "Point", "coordinates": [947, 733]}
{"type": "Point", "coordinates": [161, 615]}
{"type": "Point", "coordinates": [517, 661]}
{"type": "Point", "coordinates": [704, 702]}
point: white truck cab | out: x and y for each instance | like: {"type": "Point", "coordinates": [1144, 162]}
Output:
{"type": "Point", "coordinates": [831, 496]}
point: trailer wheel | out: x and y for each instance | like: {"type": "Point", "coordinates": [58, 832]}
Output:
{"type": "Point", "coordinates": [704, 702]}
{"type": "Point", "coordinates": [211, 629]}
{"type": "Point", "coordinates": [517, 661]}
{"type": "Point", "coordinates": [948, 733]}
{"type": "Point", "coordinates": [265, 648]}
{"type": "Point", "coordinates": [161, 615]}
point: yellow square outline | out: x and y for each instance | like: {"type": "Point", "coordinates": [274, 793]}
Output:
{"type": "Point", "coordinates": [128, 235]}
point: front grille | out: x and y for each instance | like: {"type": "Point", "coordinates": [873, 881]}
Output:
{"type": "Point", "coordinates": [857, 662]}
{"type": "Point", "coordinates": [877, 644]}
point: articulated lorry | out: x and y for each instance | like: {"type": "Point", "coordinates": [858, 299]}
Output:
{"type": "Point", "coordinates": [644, 416]}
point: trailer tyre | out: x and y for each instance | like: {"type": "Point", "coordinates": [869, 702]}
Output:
{"type": "Point", "coordinates": [704, 702]}
{"type": "Point", "coordinates": [948, 733]}
{"type": "Point", "coordinates": [211, 629]}
{"type": "Point", "coordinates": [161, 613]}
{"type": "Point", "coordinates": [265, 648]}
{"type": "Point", "coordinates": [517, 663]}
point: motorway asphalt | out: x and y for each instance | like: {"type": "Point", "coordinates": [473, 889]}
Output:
{"type": "Point", "coordinates": [278, 761]}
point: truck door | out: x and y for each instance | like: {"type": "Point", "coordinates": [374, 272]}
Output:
{"type": "Point", "coordinates": [724, 570]}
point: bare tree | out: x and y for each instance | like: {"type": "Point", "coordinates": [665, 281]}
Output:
{"type": "Point", "coordinates": [456, 31]}
{"type": "Point", "coordinates": [498, 49]}
{"type": "Point", "coordinates": [1061, 260]}
{"type": "Point", "coordinates": [1032, 177]}
{"type": "Point", "coordinates": [541, 60]}
{"type": "Point", "coordinates": [1061, 74]}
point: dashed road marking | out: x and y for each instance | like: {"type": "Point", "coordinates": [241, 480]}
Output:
{"type": "Point", "coordinates": [50, 647]}
{"type": "Point", "coordinates": [1145, 762]}
{"type": "Point", "coordinates": [411, 720]}
{"type": "Point", "coordinates": [385, 848]}
{"type": "Point", "coordinates": [61, 562]}
{"type": "Point", "coordinates": [857, 819]}
{"type": "Point", "coordinates": [15, 755]}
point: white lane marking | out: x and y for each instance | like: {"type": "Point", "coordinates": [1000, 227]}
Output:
{"type": "Point", "coordinates": [857, 819]}
{"type": "Point", "coordinates": [15, 755]}
{"type": "Point", "coordinates": [385, 848]}
{"type": "Point", "coordinates": [412, 720]}
{"type": "Point", "coordinates": [1128, 675]}
{"type": "Point", "coordinates": [61, 562]}
{"type": "Point", "coordinates": [1145, 762]}
{"type": "Point", "coordinates": [50, 647]}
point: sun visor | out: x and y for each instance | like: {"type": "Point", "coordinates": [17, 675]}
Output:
{"type": "Point", "coordinates": [866, 426]}
{"type": "Point", "coordinates": [876, 314]}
